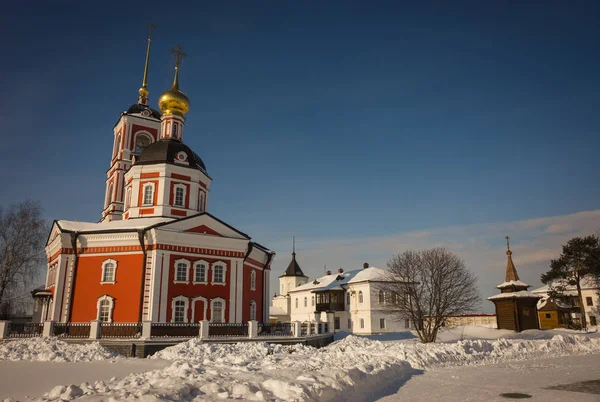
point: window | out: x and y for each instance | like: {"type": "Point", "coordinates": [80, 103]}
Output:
{"type": "Point", "coordinates": [253, 280]}
{"type": "Point", "coordinates": [109, 195]}
{"type": "Point", "coordinates": [313, 301]}
{"type": "Point", "coordinates": [382, 323]}
{"type": "Point", "coordinates": [548, 315]}
{"type": "Point", "coordinates": [362, 323]}
{"type": "Point", "coordinates": [141, 142]}
{"type": "Point", "coordinates": [381, 297]}
{"type": "Point", "coordinates": [128, 198]}
{"type": "Point", "coordinates": [217, 310]}
{"type": "Point", "coordinates": [305, 302]}
{"type": "Point", "coordinates": [336, 323]}
{"type": "Point", "coordinates": [200, 272]}
{"type": "Point", "coordinates": [105, 308]}
{"type": "Point", "coordinates": [148, 194]}
{"type": "Point", "coordinates": [174, 131]}
{"type": "Point", "coordinates": [179, 311]}
{"type": "Point", "coordinates": [296, 302]}
{"type": "Point", "coordinates": [349, 323]}
{"type": "Point", "coordinates": [201, 203]}
{"type": "Point", "coordinates": [117, 146]}
{"type": "Point", "coordinates": [593, 322]}
{"type": "Point", "coordinates": [219, 273]}
{"type": "Point", "coordinates": [406, 323]}
{"type": "Point", "coordinates": [253, 310]}
{"type": "Point", "coordinates": [348, 298]}
{"type": "Point", "coordinates": [181, 271]}
{"type": "Point", "coordinates": [109, 269]}
{"type": "Point", "coordinates": [360, 297]}
{"type": "Point", "coordinates": [589, 301]}
{"type": "Point", "coordinates": [179, 196]}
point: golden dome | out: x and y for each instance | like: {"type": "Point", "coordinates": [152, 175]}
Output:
{"type": "Point", "coordinates": [174, 101]}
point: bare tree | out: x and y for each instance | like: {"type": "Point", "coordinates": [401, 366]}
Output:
{"type": "Point", "coordinates": [428, 286]}
{"type": "Point", "coordinates": [22, 235]}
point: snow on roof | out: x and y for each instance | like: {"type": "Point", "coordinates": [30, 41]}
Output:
{"type": "Point", "coordinates": [140, 223]}
{"type": "Point", "coordinates": [523, 294]}
{"type": "Point", "coordinates": [329, 282]}
{"type": "Point", "coordinates": [274, 310]}
{"type": "Point", "coordinates": [508, 284]}
{"type": "Point", "coordinates": [586, 283]}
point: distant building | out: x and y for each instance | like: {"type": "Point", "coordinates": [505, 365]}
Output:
{"type": "Point", "coordinates": [515, 305]}
{"type": "Point", "coordinates": [291, 279]}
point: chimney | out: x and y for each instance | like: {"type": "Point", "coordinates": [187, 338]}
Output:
{"type": "Point", "coordinates": [340, 270]}
{"type": "Point", "coordinates": [366, 265]}
{"type": "Point", "coordinates": [328, 272]}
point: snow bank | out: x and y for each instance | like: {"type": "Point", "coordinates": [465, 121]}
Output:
{"type": "Point", "coordinates": [53, 349]}
{"type": "Point", "coordinates": [354, 366]}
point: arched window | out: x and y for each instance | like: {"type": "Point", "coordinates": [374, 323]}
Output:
{"type": "Point", "coordinates": [305, 302]}
{"type": "Point", "coordinates": [253, 280]}
{"type": "Point", "coordinates": [117, 146]}
{"type": "Point", "coordinates": [128, 198]}
{"type": "Point", "coordinates": [313, 301]}
{"type": "Point", "coordinates": [148, 194]}
{"type": "Point", "coordinates": [182, 268]}
{"type": "Point", "coordinates": [217, 310]}
{"type": "Point", "coordinates": [296, 302]}
{"type": "Point", "coordinates": [200, 272]}
{"type": "Point", "coordinates": [360, 296]}
{"type": "Point", "coordinates": [109, 194]}
{"type": "Point", "coordinates": [381, 297]}
{"type": "Point", "coordinates": [201, 202]}
{"type": "Point", "coordinates": [179, 313]}
{"type": "Point", "coordinates": [362, 323]}
{"type": "Point", "coordinates": [109, 270]}
{"type": "Point", "coordinates": [253, 310]}
{"type": "Point", "coordinates": [179, 196]}
{"type": "Point", "coordinates": [105, 308]}
{"type": "Point", "coordinates": [141, 142]}
{"type": "Point", "coordinates": [218, 273]}
{"type": "Point", "coordinates": [348, 298]}
{"type": "Point", "coordinates": [174, 131]}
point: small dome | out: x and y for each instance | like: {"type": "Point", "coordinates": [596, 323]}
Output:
{"type": "Point", "coordinates": [144, 110]}
{"type": "Point", "coordinates": [174, 101]}
{"type": "Point", "coordinates": [171, 151]}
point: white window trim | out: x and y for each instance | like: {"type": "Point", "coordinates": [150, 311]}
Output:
{"type": "Point", "coordinates": [194, 300]}
{"type": "Point", "coordinates": [187, 271]}
{"type": "Point", "coordinates": [201, 198]}
{"type": "Point", "coordinates": [212, 302]}
{"type": "Point", "coordinates": [253, 280]}
{"type": "Point", "coordinates": [143, 134]}
{"type": "Point", "coordinates": [253, 306]}
{"type": "Point", "coordinates": [206, 266]}
{"type": "Point", "coordinates": [127, 198]}
{"type": "Point", "coordinates": [184, 188]}
{"type": "Point", "coordinates": [360, 297]}
{"type": "Point", "coordinates": [224, 273]}
{"type": "Point", "coordinates": [144, 193]}
{"type": "Point", "coordinates": [187, 307]}
{"type": "Point", "coordinates": [109, 261]}
{"type": "Point", "coordinates": [111, 306]}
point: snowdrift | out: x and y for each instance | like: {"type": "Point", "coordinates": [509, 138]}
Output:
{"type": "Point", "coordinates": [353, 368]}
{"type": "Point", "coordinates": [53, 349]}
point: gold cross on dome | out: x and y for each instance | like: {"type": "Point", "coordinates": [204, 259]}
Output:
{"type": "Point", "coordinates": [179, 55]}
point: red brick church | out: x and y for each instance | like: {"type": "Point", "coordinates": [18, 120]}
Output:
{"type": "Point", "coordinates": [156, 254]}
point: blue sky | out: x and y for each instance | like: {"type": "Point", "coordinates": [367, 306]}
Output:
{"type": "Point", "coordinates": [339, 122]}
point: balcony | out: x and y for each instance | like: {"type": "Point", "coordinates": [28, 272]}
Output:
{"type": "Point", "coordinates": [329, 300]}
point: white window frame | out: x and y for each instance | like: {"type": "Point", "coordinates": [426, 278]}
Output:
{"type": "Point", "coordinates": [153, 187]}
{"type": "Point", "coordinates": [182, 187]}
{"type": "Point", "coordinates": [111, 306]}
{"type": "Point", "coordinates": [253, 280]}
{"type": "Point", "coordinates": [252, 310]}
{"type": "Point", "coordinates": [201, 201]}
{"type": "Point", "coordinates": [185, 312]}
{"type": "Point", "coordinates": [214, 265]}
{"type": "Point", "coordinates": [187, 271]}
{"type": "Point", "coordinates": [212, 302]}
{"type": "Point", "coordinates": [348, 298]}
{"type": "Point", "coordinates": [127, 198]}
{"type": "Point", "coordinates": [202, 299]}
{"type": "Point", "coordinates": [206, 268]}
{"type": "Point", "coordinates": [142, 133]}
{"type": "Point", "coordinates": [104, 264]}
{"type": "Point", "coordinates": [360, 297]}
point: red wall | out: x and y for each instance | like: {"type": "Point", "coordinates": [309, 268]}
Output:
{"type": "Point", "coordinates": [249, 295]}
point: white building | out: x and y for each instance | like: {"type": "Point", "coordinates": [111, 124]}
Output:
{"type": "Point", "coordinates": [350, 301]}
{"type": "Point", "coordinates": [589, 293]}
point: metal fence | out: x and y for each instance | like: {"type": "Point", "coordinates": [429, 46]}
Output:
{"type": "Point", "coordinates": [227, 329]}
{"type": "Point", "coordinates": [121, 330]}
{"type": "Point", "coordinates": [174, 330]}
{"type": "Point", "coordinates": [25, 329]}
{"type": "Point", "coordinates": [72, 329]}
{"type": "Point", "coordinates": [276, 329]}
{"type": "Point", "coordinates": [304, 328]}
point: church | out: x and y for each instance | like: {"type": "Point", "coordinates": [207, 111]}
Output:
{"type": "Point", "coordinates": [156, 254]}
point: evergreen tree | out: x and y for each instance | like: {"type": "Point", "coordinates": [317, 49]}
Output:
{"type": "Point", "coordinates": [580, 259]}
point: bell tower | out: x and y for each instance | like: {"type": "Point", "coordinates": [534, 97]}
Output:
{"type": "Point", "coordinates": [136, 128]}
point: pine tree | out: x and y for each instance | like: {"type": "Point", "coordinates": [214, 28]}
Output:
{"type": "Point", "coordinates": [580, 259]}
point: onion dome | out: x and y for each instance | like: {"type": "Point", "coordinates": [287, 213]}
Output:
{"type": "Point", "coordinates": [174, 101]}
{"type": "Point", "coordinates": [171, 151]}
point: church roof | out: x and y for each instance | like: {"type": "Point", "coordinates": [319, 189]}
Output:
{"type": "Point", "coordinates": [336, 279]}
{"type": "Point", "coordinates": [523, 294]}
{"type": "Point", "coordinates": [294, 268]}
{"type": "Point", "coordinates": [144, 110]}
{"type": "Point", "coordinates": [170, 151]}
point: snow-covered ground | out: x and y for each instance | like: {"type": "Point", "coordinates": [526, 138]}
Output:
{"type": "Point", "coordinates": [53, 350]}
{"type": "Point", "coordinates": [353, 368]}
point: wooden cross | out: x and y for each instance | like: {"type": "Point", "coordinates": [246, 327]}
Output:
{"type": "Point", "coordinates": [179, 55]}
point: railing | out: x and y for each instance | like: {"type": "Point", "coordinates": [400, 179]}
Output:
{"type": "Point", "coordinates": [120, 330]}
{"type": "Point", "coordinates": [227, 329]}
{"type": "Point", "coordinates": [174, 330]}
{"type": "Point", "coordinates": [25, 330]}
{"type": "Point", "coordinates": [72, 329]}
{"type": "Point", "coordinates": [276, 329]}
{"type": "Point", "coordinates": [313, 328]}
{"type": "Point", "coordinates": [304, 328]}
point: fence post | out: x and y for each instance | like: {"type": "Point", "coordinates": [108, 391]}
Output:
{"type": "Point", "coordinates": [95, 329]}
{"type": "Point", "coordinates": [252, 329]}
{"type": "Point", "coordinates": [4, 329]}
{"type": "Point", "coordinates": [297, 329]}
{"type": "Point", "coordinates": [146, 329]}
{"type": "Point", "coordinates": [48, 329]}
{"type": "Point", "coordinates": [204, 329]}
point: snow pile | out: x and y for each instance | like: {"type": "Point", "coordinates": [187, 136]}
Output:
{"type": "Point", "coordinates": [53, 349]}
{"type": "Point", "coordinates": [361, 366]}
